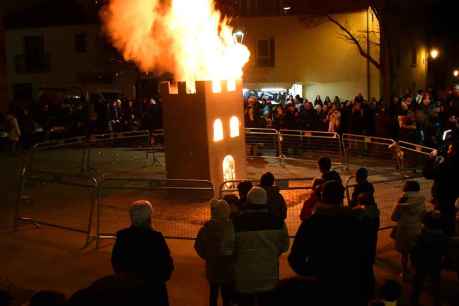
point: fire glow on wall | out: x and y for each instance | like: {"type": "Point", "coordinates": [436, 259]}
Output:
{"type": "Point", "coordinates": [203, 118]}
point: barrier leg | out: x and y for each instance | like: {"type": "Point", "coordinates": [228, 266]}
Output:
{"type": "Point", "coordinates": [98, 212]}
{"type": "Point", "coordinates": [20, 191]}
{"type": "Point", "coordinates": [94, 200]}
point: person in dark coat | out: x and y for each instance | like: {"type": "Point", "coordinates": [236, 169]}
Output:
{"type": "Point", "coordinates": [142, 252]}
{"type": "Point", "coordinates": [333, 247]}
{"type": "Point", "coordinates": [363, 186]}
{"type": "Point", "coordinates": [427, 256]}
{"type": "Point", "coordinates": [444, 172]}
{"type": "Point", "coordinates": [215, 244]}
{"type": "Point", "coordinates": [328, 174]}
{"type": "Point", "coordinates": [276, 201]}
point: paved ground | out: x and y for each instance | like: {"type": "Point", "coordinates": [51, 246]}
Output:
{"type": "Point", "coordinates": [34, 259]}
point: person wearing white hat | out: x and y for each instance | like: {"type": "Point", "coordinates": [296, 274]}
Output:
{"type": "Point", "coordinates": [261, 238]}
{"type": "Point", "coordinates": [142, 253]}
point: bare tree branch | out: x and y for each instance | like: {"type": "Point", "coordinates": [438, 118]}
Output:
{"type": "Point", "coordinates": [355, 41]}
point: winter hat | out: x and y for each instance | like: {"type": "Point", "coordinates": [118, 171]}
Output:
{"type": "Point", "coordinates": [140, 212]}
{"type": "Point", "coordinates": [257, 196]}
{"type": "Point", "coordinates": [219, 210]}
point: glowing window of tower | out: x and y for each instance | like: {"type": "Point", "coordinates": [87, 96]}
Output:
{"type": "Point", "coordinates": [229, 168]}
{"type": "Point", "coordinates": [234, 127]}
{"type": "Point", "coordinates": [218, 130]}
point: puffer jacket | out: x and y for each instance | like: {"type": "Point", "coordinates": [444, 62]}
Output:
{"type": "Point", "coordinates": [215, 244]}
{"type": "Point", "coordinates": [408, 213]}
{"type": "Point", "coordinates": [260, 239]}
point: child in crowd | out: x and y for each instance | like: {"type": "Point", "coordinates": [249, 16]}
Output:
{"type": "Point", "coordinates": [408, 214]}
{"type": "Point", "coordinates": [215, 244]}
{"type": "Point", "coordinates": [427, 256]}
{"type": "Point", "coordinates": [310, 203]}
{"type": "Point", "coordinates": [363, 186]}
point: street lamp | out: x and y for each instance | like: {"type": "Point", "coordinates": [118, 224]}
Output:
{"type": "Point", "coordinates": [456, 73]}
{"type": "Point", "coordinates": [434, 53]}
{"type": "Point", "coordinates": [239, 36]}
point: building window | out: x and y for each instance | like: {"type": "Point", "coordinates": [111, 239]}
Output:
{"type": "Point", "coordinates": [234, 127]}
{"type": "Point", "coordinates": [414, 57]}
{"type": "Point", "coordinates": [81, 42]}
{"type": "Point", "coordinates": [265, 53]}
{"type": "Point", "coordinates": [34, 59]}
{"type": "Point", "coordinates": [218, 130]}
{"type": "Point", "coordinates": [23, 91]}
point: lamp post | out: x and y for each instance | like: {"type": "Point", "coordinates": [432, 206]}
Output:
{"type": "Point", "coordinates": [434, 54]}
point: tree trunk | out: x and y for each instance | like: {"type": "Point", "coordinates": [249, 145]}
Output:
{"type": "Point", "coordinates": [386, 63]}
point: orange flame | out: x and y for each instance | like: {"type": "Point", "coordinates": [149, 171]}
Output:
{"type": "Point", "coordinates": [187, 37]}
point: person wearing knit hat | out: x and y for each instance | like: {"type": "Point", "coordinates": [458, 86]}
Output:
{"type": "Point", "coordinates": [257, 196]}
{"type": "Point", "coordinates": [261, 238]}
{"type": "Point", "coordinates": [215, 244]}
{"type": "Point", "coordinates": [142, 253]}
{"type": "Point", "coordinates": [140, 213]}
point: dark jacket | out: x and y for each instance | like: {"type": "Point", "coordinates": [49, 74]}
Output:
{"type": "Point", "coordinates": [215, 244]}
{"type": "Point", "coordinates": [333, 246]}
{"type": "Point", "coordinates": [276, 202]}
{"type": "Point", "coordinates": [365, 187]}
{"type": "Point", "coordinates": [429, 250]}
{"type": "Point", "coordinates": [260, 240]}
{"type": "Point", "coordinates": [144, 254]}
{"type": "Point", "coordinates": [444, 172]}
{"type": "Point", "coordinates": [334, 176]}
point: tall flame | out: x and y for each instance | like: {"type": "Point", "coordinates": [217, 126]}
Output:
{"type": "Point", "coordinates": [187, 37]}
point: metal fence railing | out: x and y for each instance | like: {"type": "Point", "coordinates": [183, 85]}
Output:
{"type": "Point", "coordinates": [413, 155]}
{"type": "Point", "coordinates": [87, 163]}
{"type": "Point", "coordinates": [311, 145]}
{"type": "Point", "coordinates": [180, 207]}
{"type": "Point", "coordinates": [367, 150]}
{"type": "Point", "coordinates": [262, 142]}
{"type": "Point", "coordinates": [37, 202]}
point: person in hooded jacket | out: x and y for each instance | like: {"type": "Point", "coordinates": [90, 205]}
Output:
{"type": "Point", "coordinates": [408, 214]}
{"type": "Point", "coordinates": [443, 171]}
{"type": "Point", "coordinates": [215, 244]}
{"type": "Point", "coordinates": [260, 239]}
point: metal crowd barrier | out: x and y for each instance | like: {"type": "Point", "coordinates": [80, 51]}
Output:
{"type": "Point", "coordinates": [311, 145]}
{"type": "Point", "coordinates": [262, 142]}
{"type": "Point", "coordinates": [53, 210]}
{"type": "Point", "coordinates": [367, 150]}
{"type": "Point", "coordinates": [414, 155]}
{"type": "Point", "coordinates": [176, 219]}
{"type": "Point", "coordinates": [44, 153]}
{"type": "Point", "coordinates": [110, 148]}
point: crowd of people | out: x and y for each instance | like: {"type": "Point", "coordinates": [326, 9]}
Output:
{"type": "Point", "coordinates": [333, 252]}
{"type": "Point", "coordinates": [23, 126]}
{"type": "Point", "coordinates": [420, 117]}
